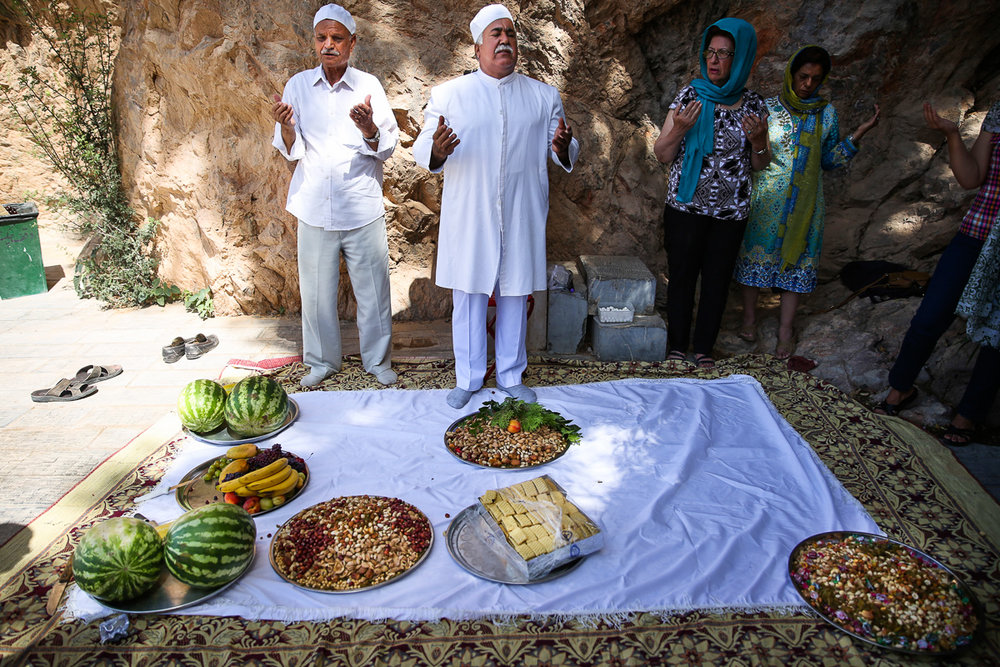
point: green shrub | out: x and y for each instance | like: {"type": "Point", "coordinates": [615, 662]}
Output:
{"type": "Point", "coordinates": [70, 118]}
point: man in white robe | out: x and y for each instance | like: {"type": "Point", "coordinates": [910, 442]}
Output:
{"type": "Point", "coordinates": [335, 122]}
{"type": "Point", "coordinates": [492, 132]}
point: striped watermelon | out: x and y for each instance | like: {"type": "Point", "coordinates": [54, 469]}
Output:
{"type": "Point", "coordinates": [210, 545]}
{"type": "Point", "coordinates": [202, 405]}
{"type": "Point", "coordinates": [118, 559]}
{"type": "Point", "coordinates": [256, 406]}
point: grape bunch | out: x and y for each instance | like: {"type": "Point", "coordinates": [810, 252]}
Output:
{"type": "Point", "coordinates": [265, 457]}
{"type": "Point", "coordinates": [216, 467]}
{"type": "Point", "coordinates": [296, 463]}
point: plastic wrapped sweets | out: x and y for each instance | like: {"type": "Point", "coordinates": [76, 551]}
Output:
{"type": "Point", "coordinates": [537, 527]}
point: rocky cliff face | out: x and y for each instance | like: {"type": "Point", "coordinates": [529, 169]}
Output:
{"type": "Point", "coordinates": [194, 80]}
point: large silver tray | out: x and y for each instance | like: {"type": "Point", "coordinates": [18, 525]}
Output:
{"type": "Point", "coordinates": [274, 565]}
{"type": "Point", "coordinates": [834, 536]}
{"type": "Point", "coordinates": [458, 422]}
{"type": "Point", "coordinates": [202, 493]}
{"type": "Point", "coordinates": [223, 436]}
{"type": "Point", "coordinates": [171, 594]}
{"type": "Point", "coordinates": [467, 544]}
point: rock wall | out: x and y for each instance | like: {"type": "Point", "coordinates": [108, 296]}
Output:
{"type": "Point", "coordinates": [194, 80]}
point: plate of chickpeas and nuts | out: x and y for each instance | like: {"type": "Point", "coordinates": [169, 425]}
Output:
{"type": "Point", "coordinates": [351, 543]}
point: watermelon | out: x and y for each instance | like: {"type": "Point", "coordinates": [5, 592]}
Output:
{"type": "Point", "coordinates": [202, 405]}
{"type": "Point", "coordinates": [118, 559]}
{"type": "Point", "coordinates": [256, 406]}
{"type": "Point", "coordinates": [210, 545]}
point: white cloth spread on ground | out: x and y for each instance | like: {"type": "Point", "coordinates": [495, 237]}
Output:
{"type": "Point", "coordinates": [701, 488]}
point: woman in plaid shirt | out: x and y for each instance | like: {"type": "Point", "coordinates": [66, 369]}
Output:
{"type": "Point", "coordinates": [975, 168]}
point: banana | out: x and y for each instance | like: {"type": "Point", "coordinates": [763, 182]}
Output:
{"type": "Point", "coordinates": [253, 476]}
{"type": "Point", "coordinates": [244, 492]}
{"type": "Point", "coordinates": [281, 489]}
{"type": "Point", "coordinates": [237, 465]}
{"type": "Point", "coordinates": [277, 478]}
{"type": "Point", "coordinates": [242, 451]}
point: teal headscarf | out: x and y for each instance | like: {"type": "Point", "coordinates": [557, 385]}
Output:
{"type": "Point", "coordinates": [700, 139]}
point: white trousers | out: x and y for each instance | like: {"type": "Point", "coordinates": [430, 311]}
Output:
{"type": "Point", "coordinates": [468, 334]}
{"type": "Point", "coordinates": [367, 257]}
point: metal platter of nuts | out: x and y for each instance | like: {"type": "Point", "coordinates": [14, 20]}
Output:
{"type": "Point", "coordinates": [490, 446]}
{"type": "Point", "coordinates": [351, 543]}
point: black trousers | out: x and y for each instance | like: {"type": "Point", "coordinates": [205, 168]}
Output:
{"type": "Point", "coordinates": [698, 245]}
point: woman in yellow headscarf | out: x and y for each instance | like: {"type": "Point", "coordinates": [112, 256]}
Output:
{"type": "Point", "coordinates": [784, 234]}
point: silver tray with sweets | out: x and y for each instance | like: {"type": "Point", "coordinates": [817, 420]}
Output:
{"type": "Point", "coordinates": [223, 436]}
{"type": "Point", "coordinates": [351, 543]}
{"type": "Point", "coordinates": [512, 434]}
{"type": "Point", "coordinates": [171, 594]}
{"type": "Point", "coordinates": [885, 593]}
{"type": "Point", "coordinates": [470, 543]}
{"type": "Point", "coordinates": [194, 491]}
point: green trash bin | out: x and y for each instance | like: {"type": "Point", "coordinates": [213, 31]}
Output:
{"type": "Point", "coordinates": [21, 269]}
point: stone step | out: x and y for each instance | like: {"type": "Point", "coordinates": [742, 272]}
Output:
{"type": "Point", "coordinates": [642, 339]}
{"type": "Point", "coordinates": [616, 280]}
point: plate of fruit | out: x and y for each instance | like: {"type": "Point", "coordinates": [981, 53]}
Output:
{"type": "Point", "coordinates": [512, 434]}
{"type": "Point", "coordinates": [254, 409]}
{"type": "Point", "coordinates": [257, 479]}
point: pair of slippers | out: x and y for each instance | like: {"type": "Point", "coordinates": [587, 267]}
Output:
{"type": "Point", "coordinates": [192, 348]}
{"type": "Point", "coordinates": [80, 386]}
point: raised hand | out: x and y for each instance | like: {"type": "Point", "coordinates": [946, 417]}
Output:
{"type": "Point", "coordinates": [867, 125]}
{"type": "Point", "coordinates": [685, 119]}
{"type": "Point", "coordinates": [936, 122]}
{"type": "Point", "coordinates": [756, 131]}
{"type": "Point", "coordinates": [445, 141]}
{"type": "Point", "coordinates": [561, 141]}
{"type": "Point", "coordinates": [282, 113]}
{"type": "Point", "coordinates": [362, 115]}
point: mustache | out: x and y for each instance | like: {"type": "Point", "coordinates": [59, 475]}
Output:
{"type": "Point", "coordinates": [503, 48]}
{"type": "Point", "coordinates": [330, 52]}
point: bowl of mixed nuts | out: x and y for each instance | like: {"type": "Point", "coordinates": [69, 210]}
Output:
{"type": "Point", "coordinates": [351, 543]}
{"type": "Point", "coordinates": [512, 434]}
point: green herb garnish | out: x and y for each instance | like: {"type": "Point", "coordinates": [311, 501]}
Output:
{"type": "Point", "coordinates": [532, 416]}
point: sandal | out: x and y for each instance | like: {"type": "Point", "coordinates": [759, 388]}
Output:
{"type": "Point", "coordinates": [91, 374]}
{"type": "Point", "coordinates": [64, 390]}
{"type": "Point", "coordinates": [704, 361]}
{"type": "Point", "coordinates": [676, 355]}
{"type": "Point", "coordinates": [893, 409]}
{"type": "Point", "coordinates": [748, 332]}
{"type": "Point", "coordinates": [960, 436]}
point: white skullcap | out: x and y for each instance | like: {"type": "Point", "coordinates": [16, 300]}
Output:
{"type": "Point", "coordinates": [485, 17]}
{"type": "Point", "coordinates": [336, 13]}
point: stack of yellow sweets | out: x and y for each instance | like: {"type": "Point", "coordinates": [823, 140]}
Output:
{"type": "Point", "coordinates": [536, 518]}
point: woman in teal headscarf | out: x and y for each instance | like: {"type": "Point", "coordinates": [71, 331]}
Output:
{"type": "Point", "coordinates": [714, 136]}
{"type": "Point", "coordinates": [783, 239]}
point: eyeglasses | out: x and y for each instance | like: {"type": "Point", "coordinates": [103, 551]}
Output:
{"type": "Point", "coordinates": [723, 54]}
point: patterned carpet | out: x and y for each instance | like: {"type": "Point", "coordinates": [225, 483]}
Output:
{"type": "Point", "coordinates": [911, 486]}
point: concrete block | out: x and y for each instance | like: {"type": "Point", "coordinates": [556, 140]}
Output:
{"type": "Point", "coordinates": [567, 313]}
{"type": "Point", "coordinates": [617, 280]}
{"type": "Point", "coordinates": [642, 339]}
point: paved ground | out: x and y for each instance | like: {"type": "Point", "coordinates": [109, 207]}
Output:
{"type": "Point", "coordinates": [46, 448]}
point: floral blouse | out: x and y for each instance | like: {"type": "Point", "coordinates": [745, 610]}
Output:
{"type": "Point", "coordinates": [724, 186]}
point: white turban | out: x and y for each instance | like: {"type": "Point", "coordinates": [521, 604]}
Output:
{"type": "Point", "coordinates": [485, 17]}
{"type": "Point", "coordinates": [336, 13]}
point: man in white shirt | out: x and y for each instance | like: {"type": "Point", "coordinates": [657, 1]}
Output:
{"type": "Point", "coordinates": [335, 121]}
{"type": "Point", "coordinates": [491, 132]}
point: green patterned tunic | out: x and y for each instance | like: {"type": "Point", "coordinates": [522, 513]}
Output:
{"type": "Point", "coordinates": [759, 261]}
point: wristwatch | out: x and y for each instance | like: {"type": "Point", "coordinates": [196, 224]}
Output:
{"type": "Point", "coordinates": [378, 135]}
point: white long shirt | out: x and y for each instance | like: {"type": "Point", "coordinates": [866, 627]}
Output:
{"type": "Point", "coordinates": [337, 184]}
{"type": "Point", "coordinates": [496, 185]}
